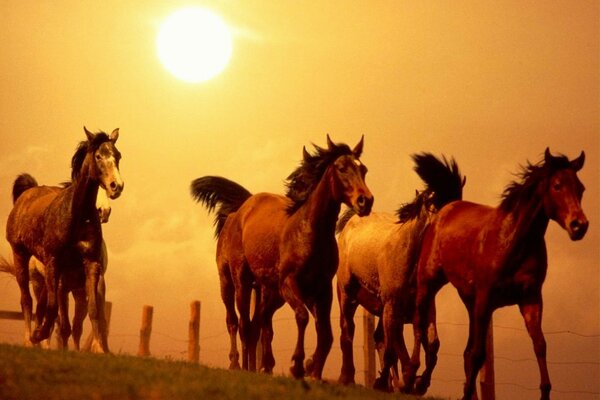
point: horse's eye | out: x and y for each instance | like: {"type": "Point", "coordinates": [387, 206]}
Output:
{"type": "Point", "coordinates": [343, 169]}
{"type": "Point", "coordinates": [556, 186]}
{"type": "Point", "coordinates": [98, 157]}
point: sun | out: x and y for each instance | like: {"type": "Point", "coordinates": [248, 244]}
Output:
{"type": "Point", "coordinates": [194, 44]}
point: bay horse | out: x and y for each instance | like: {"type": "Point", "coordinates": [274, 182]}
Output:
{"type": "Point", "coordinates": [285, 247]}
{"type": "Point", "coordinates": [378, 257]}
{"type": "Point", "coordinates": [497, 257]}
{"type": "Point", "coordinates": [60, 226]}
{"type": "Point", "coordinates": [73, 283]}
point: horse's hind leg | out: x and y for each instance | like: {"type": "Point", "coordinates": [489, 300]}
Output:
{"type": "Point", "coordinates": [532, 314]}
{"type": "Point", "coordinates": [63, 317]}
{"type": "Point", "coordinates": [243, 292]}
{"type": "Point", "coordinates": [79, 315]}
{"type": "Point", "coordinates": [228, 297]}
{"type": "Point", "coordinates": [270, 302]}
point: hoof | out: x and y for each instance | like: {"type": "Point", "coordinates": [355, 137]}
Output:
{"type": "Point", "coordinates": [234, 365]}
{"type": "Point", "coordinates": [382, 385]}
{"type": "Point", "coordinates": [309, 366]}
{"type": "Point", "coordinates": [420, 386]}
{"type": "Point", "coordinates": [297, 371]}
{"type": "Point", "coordinates": [346, 380]}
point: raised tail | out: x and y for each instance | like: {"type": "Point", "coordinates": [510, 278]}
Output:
{"type": "Point", "coordinates": [22, 183]}
{"type": "Point", "coordinates": [6, 266]}
{"type": "Point", "coordinates": [442, 177]}
{"type": "Point", "coordinates": [220, 193]}
{"type": "Point", "coordinates": [343, 220]}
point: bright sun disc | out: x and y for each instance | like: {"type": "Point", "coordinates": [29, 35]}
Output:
{"type": "Point", "coordinates": [194, 44]}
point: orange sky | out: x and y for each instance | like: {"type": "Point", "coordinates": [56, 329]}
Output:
{"type": "Point", "coordinates": [490, 83]}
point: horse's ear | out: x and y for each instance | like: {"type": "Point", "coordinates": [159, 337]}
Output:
{"type": "Point", "coordinates": [464, 181]}
{"type": "Point", "coordinates": [89, 134]}
{"type": "Point", "coordinates": [330, 144]}
{"type": "Point", "coordinates": [359, 147]}
{"type": "Point", "coordinates": [305, 154]}
{"type": "Point", "coordinates": [547, 156]}
{"type": "Point", "coordinates": [114, 135]}
{"type": "Point", "coordinates": [577, 163]}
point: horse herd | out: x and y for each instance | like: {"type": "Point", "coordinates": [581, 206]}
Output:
{"type": "Point", "coordinates": [285, 249]}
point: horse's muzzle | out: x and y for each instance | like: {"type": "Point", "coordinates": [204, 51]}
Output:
{"type": "Point", "coordinates": [578, 228]}
{"type": "Point", "coordinates": [114, 190]}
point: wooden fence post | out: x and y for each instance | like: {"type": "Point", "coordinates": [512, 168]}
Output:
{"type": "Point", "coordinates": [87, 345]}
{"type": "Point", "coordinates": [369, 348]}
{"type": "Point", "coordinates": [145, 331]}
{"type": "Point", "coordinates": [486, 375]}
{"type": "Point", "coordinates": [194, 333]}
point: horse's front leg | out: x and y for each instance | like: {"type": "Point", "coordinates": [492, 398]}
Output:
{"type": "Point", "coordinates": [93, 270]}
{"type": "Point", "coordinates": [475, 357]}
{"type": "Point", "coordinates": [64, 326]}
{"type": "Point", "coordinates": [81, 306]}
{"type": "Point", "coordinates": [347, 327]}
{"type": "Point", "coordinates": [43, 332]}
{"type": "Point", "coordinates": [291, 293]}
{"type": "Point", "coordinates": [321, 311]}
{"type": "Point", "coordinates": [532, 314]}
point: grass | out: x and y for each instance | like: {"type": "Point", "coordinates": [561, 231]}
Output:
{"type": "Point", "coordinates": [27, 373]}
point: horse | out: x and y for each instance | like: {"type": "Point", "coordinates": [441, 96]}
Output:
{"type": "Point", "coordinates": [378, 256]}
{"type": "Point", "coordinates": [285, 247]}
{"type": "Point", "coordinates": [60, 226]}
{"type": "Point", "coordinates": [37, 276]}
{"type": "Point", "coordinates": [496, 257]}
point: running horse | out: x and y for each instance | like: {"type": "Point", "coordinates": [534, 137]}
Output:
{"type": "Point", "coordinates": [497, 257]}
{"type": "Point", "coordinates": [285, 247]}
{"type": "Point", "coordinates": [60, 226]}
{"type": "Point", "coordinates": [73, 283]}
{"type": "Point", "coordinates": [378, 257]}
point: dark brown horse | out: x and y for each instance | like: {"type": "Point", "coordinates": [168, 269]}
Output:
{"type": "Point", "coordinates": [497, 257]}
{"type": "Point", "coordinates": [378, 257]}
{"type": "Point", "coordinates": [60, 226]}
{"type": "Point", "coordinates": [285, 247]}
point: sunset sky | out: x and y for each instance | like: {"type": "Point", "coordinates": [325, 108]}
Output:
{"type": "Point", "coordinates": [491, 84]}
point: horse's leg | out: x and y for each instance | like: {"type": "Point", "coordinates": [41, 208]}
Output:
{"type": "Point", "coordinates": [347, 310]}
{"type": "Point", "coordinates": [79, 315]}
{"type": "Point", "coordinates": [64, 326]}
{"type": "Point", "coordinates": [480, 322]}
{"type": "Point", "coordinates": [243, 288]}
{"type": "Point", "coordinates": [43, 332]}
{"type": "Point", "coordinates": [291, 293]}
{"type": "Point", "coordinates": [271, 302]}
{"type": "Point", "coordinates": [321, 311]}
{"type": "Point", "coordinates": [532, 314]}
{"type": "Point", "coordinates": [393, 346]}
{"type": "Point", "coordinates": [93, 270]}
{"type": "Point", "coordinates": [228, 297]}
{"type": "Point", "coordinates": [426, 331]}
{"type": "Point", "coordinates": [21, 261]}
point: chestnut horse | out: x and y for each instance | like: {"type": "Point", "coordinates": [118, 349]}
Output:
{"type": "Point", "coordinates": [497, 257]}
{"type": "Point", "coordinates": [378, 257]}
{"type": "Point", "coordinates": [285, 247]}
{"type": "Point", "coordinates": [61, 228]}
{"type": "Point", "coordinates": [73, 283]}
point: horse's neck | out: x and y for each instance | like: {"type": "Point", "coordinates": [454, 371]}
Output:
{"type": "Point", "coordinates": [321, 209]}
{"type": "Point", "coordinates": [528, 230]}
{"type": "Point", "coordinates": [85, 192]}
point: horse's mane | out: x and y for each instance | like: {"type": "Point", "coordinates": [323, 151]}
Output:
{"type": "Point", "coordinates": [530, 176]}
{"type": "Point", "coordinates": [343, 220]}
{"type": "Point", "coordinates": [408, 211]}
{"type": "Point", "coordinates": [305, 178]}
{"type": "Point", "coordinates": [82, 149]}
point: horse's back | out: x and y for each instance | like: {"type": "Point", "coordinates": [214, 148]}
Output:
{"type": "Point", "coordinates": [252, 234]}
{"type": "Point", "coordinates": [368, 249]}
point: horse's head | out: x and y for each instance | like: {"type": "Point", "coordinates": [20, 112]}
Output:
{"type": "Point", "coordinates": [106, 159]}
{"type": "Point", "coordinates": [349, 180]}
{"type": "Point", "coordinates": [564, 190]}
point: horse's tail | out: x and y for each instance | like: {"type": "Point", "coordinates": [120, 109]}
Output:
{"type": "Point", "coordinates": [22, 183]}
{"type": "Point", "coordinates": [213, 191]}
{"type": "Point", "coordinates": [442, 177]}
{"type": "Point", "coordinates": [7, 267]}
{"type": "Point", "coordinates": [343, 220]}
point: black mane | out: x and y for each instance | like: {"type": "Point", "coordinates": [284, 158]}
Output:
{"type": "Point", "coordinates": [531, 175]}
{"type": "Point", "coordinates": [82, 149]}
{"type": "Point", "coordinates": [305, 178]}
{"type": "Point", "coordinates": [412, 210]}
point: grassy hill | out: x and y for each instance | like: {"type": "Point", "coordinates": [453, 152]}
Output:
{"type": "Point", "coordinates": [42, 374]}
